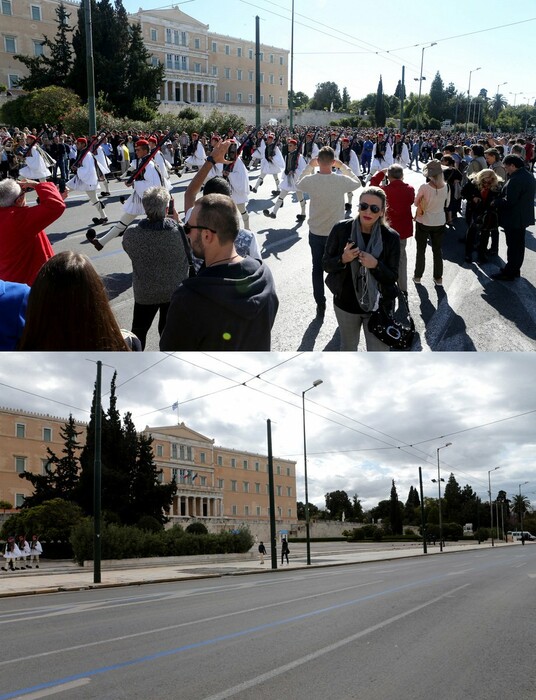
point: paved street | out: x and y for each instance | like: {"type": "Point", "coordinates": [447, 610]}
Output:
{"type": "Point", "coordinates": [454, 626]}
{"type": "Point", "coordinates": [471, 311]}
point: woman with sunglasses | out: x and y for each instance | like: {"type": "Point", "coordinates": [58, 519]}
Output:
{"type": "Point", "coordinates": [361, 259]}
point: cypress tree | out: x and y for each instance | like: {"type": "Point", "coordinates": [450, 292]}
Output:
{"type": "Point", "coordinates": [379, 109]}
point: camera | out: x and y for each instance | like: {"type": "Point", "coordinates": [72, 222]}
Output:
{"type": "Point", "coordinates": [230, 156]}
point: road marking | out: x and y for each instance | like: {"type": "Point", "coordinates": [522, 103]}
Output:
{"type": "Point", "coordinates": [229, 692]}
{"type": "Point", "coordinates": [52, 691]}
{"type": "Point", "coordinates": [457, 573]}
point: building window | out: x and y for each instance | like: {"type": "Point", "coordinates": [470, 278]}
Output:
{"type": "Point", "coordinates": [197, 67]}
{"type": "Point", "coordinates": [288, 471]}
{"type": "Point", "coordinates": [227, 96]}
{"type": "Point", "coordinates": [19, 500]}
{"type": "Point", "coordinates": [214, 71]}
{"type": "Point", "coordinates": [203, 481]}
{"type": "Point", "coordinates": [271, 78]}
{"type": "Point", "coordinates": [281, 61]}
{"type": "Point", "coordinates": [189, 453]}
{"type": "Point", "coordinates": [239, 52]}
{"type": "Point", "coordinates": [233, 485]}
{"type": "Point", "coordinates": [250, 99]}
{"type": "Point", "coordinates": [245, 464]}
{"type": "Point", "coordinates": [35, 13]}
{"type": "Point", "coordinates": [197, 44]}
{"type": "Point", "coordinates": [10, 44]}
{"type": "Point", "coordinates": [220, 461]}
{"type": "Point", "coordinates": [250, 53]}
{"type": "Point", "coordinates": [202, 457]}
{"type": "Point", "coordinates": [154, 61]}
{"type": "Point", "coordinates": [184, 39]}
{"type": "Point", "coordinates": [176, 37]}
{"type": "Point", "coordinates": [227, 73]}
{"type": "Point", "coordinates": [250, 76]}
{"type": "Point", "coordinates": [279, 512]}
{"type": "Point", "coordinates": [20, 464]}
{"type": "Point", "coordinates": [271, 58]}
{"type": "Point", "coordinates": [184, 63]}
{"type": "Point", "coordinates": [169, 60]}
{"type": "Point", "coordinates": [281, 80]}
{"type": "Point", "coordinates": [214, 47]}
{"type": "Point", "coordinates": [258, 510]}
{"type": "Point", "coordinates": [271, 100]}
{"type": "Point", "coordinates": [233, 510]}
{"type": "Point", "coordinates": [174, 473]}
{"type": "Point", "coordinates": [159, 450]}
{"type": "Point", "coordinates": [227, 50]}
{"type": "Point", "coordinates": [246, 510]}
{"type": "Point", "coordinates": [154, 35]}
{"type": "Point", "coordinates": [233, 460]}
{"type": "Point", "coordinates": [290, 512]}
{"type": "Point", "coordinates": [262, 99]}
{"type": "Point", "coordinates": [177, 65]}
{"type": "Point", "coordinates": [246, 486]}
{"type": "Point", "coordinates": [257, 466]}
{"type": "Point", "coordinates": [257, 488]}
{"type": "Point", "coordinates": [279, 490]}
{"type": "Point", "coordinates": [261, 56]}
{"type": "Point", "coordinates": [160, 477]}
{"type": "Point", "coordinates": [289, 491]}
{"type": "Point", "coordinates": [280, 101]}
{"type": "Point", "coordinates": [239, 97]}
{"type": "Point", "coordinates": [220, 483]}
{"type": "Point", "coordinates": [278, 470]}
{"type": "Point", "coordinates": [261, 77]}
{"type": "Point", "coordinates": [47, 434]}
{"type": "Point", "coordinates": [169, 35]}
{"type": "Point", "coordinates": [173, 451]}
{"type": "Point", "coordinates": [6, 7]}
{"type": "Point", "coordinates": [20, 430]}
{"type": "Point", "coordinates": [13, 81]}
{"type": "Point", "coordinates": [44, 463]}
{"type": "Point", "coordinates": [239, 75]}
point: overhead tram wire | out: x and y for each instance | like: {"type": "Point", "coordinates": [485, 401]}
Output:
{"type": "Point", "coordinates": [45, 398]}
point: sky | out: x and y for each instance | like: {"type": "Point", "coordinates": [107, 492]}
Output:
{"type": "Point", "coordinates": [375, 417]}
{"type": "Point", "coordinates": [351, 44]}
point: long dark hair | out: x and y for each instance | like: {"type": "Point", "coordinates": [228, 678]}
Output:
{"type": "Point", "coordinates": [68, 308]}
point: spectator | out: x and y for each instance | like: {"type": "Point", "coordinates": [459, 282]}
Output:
{"type": "Point", "coordinates": [400, 198]}
{"type": "Point", "coordinates": [480, 192]}
{"type": "Point", "coordinates": [24, 246]}
{"type": "Point", "coordinates": [362, 258]}
{"type": "Point", "coordinates": [13, 303]}
{"type": "Point", "coordinates": [431, 200]}
{"type": "Point", "coordinates": [68, 309]}
{"type": "Point", "coordinates": [159, 261]}
{"type": "Point", "coordinates": [232, 303]}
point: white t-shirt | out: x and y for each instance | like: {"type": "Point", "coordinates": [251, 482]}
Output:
{"type": "Point", "coordinates": [433, 203]}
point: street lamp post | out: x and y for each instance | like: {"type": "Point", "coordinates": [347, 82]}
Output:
{"type": "Point", "coordinates": [448, 444]}
{"type": "Point", "coordinates": [490, 504]}
{"type": "Point", "coordinates": [521, 511]}
{"type": "Point", "coordinates": [469, 96]}
{"type": "Point", "coordinates": [515, 94]}
{"type": "Point", "coordinates": [420, 79]}
{"type": "Point", "coordinates": [316, 383]}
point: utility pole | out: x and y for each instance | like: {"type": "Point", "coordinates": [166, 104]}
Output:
{"type": "Point", "coordinates": [402, 94]}
{"type": "Point", "coordinates": [89, 69]}
{"type": "Point", "coordinates": [257, 72]}
{"type": "Point", "coordinates": [97, 480]}
{"type": "Point", "coordinates": [273, 534]}
{"type": "Point", "coordinates": [423, 522]}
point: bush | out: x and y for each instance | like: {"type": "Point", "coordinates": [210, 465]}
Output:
{"type": "Point", "coordinates": [482, 534]}
{"type": "Point", "coordinates": [13, 112]}
{"type": "Point", "coordinates": [149, 524]}
{"type": "Point", "coordinates": [188, 113]}
{"type": "Point", "coordinates": [378, 535]}
{"type": "Point", "coordinates": [52, 520]}
{"type": "Point", "coordinates": [197, 529]}
{"type": "Point", "coordinates": [142, 109]}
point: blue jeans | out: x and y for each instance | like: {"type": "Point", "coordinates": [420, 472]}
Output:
{"type": "Point", "coordinates": [318, 245]}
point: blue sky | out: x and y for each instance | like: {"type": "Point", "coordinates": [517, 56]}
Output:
{"type": "Point", "coordinates": [351, 44]}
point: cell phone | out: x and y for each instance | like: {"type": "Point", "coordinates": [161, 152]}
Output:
{"type": "Point", "coordinates": [231, 153]}
{"type": "Point", "coordinates": [171, 206]}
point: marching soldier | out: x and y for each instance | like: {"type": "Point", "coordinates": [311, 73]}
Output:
{"type": "Point", "coordinates": [382, 154]}
{"type": "Point", "coordinates": [272, 163]}
{"type": "Point", "coordinates": [294, 165]}
{"type": "Point", "coordinates": [86, 180]}
{"type": "Point", "coordinates": [349, 158]}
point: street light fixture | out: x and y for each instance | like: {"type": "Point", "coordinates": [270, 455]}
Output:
{"type": "Point", "coordinates": [521, 512]}
{"type": "Point", "coordinates": [316, 383]}
{"type": "Point", "coordinates": [420, 79]}
{"type": "Point", "coordinates": [515, 94]}
{"type": "Point", "coordinates": [490, 505]}
{"type": "Point", "coordinates": [439, 480]}
{"type": "Point", "coordinates": [469, 96]}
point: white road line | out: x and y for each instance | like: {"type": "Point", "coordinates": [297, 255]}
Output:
{"type": "Point", "coordinates": [55, 689]}
{"type": "Point", "coordinates": [241, 687]}
{"type": "Point", "coordinates": [168, 628]}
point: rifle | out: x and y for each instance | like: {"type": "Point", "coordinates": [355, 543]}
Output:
{"type": "Point", "coordinates": [82, 154]}
{"type": "Point", "coordinates": [28, 148]}
{"type": "Point", "coordinates": [144, 162]}
{"type": "Point", "coordinates": [228, 167]}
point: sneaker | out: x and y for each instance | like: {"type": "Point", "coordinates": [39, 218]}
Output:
{"type": "Point", "coordinates": [438, 282]}
{"type": "Point", "coordinates": [417, 280]}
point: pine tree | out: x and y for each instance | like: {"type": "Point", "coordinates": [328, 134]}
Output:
{"type": "Point", "coordinates": [395, 511]}
{"type": "Point", "coordinates": [437, 103]}
{"type": "Point", "coordinates": [61, 476]}
{"type": "Point", "coordinates": [379, 109]}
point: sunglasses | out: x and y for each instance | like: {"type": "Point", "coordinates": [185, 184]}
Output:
{"type": "Point", "coordinates": [188, 229]}
{"type": "Point", "coordinates": [374, 208]}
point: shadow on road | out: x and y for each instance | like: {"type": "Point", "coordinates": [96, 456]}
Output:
{"type": "Point", "coordinates": [117, 283]}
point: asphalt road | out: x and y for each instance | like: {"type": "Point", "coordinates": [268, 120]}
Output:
{"type": "Point", "coordinates": [470, 312]}
{"type": "Point", "coordinates": [454, 626]}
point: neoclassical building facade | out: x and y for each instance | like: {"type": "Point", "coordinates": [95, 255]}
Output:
{"type": "Point", "coordinates": [214, 482]}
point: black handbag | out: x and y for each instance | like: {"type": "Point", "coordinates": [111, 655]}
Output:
{"type": "Point", "coordinates": [395, 334]}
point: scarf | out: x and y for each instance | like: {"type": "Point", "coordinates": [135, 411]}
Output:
{"type": "Point", "coordinates": [365, 284]}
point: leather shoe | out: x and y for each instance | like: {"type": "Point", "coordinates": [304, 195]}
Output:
{"type": "Point", "coordinates": [502, 277]}
{"type": "Point", "coordinates": [267, 212]}
{"type": "Point", "coordinates": [300, 217]}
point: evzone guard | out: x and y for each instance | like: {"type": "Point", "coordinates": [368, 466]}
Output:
{"type": "Point", "coordinates": [294, 165]}
{"type": "Point", "coordinates": [86, 178]}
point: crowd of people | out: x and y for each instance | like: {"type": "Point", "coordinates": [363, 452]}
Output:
{"type": "Point", "coordinates": [202, 272]}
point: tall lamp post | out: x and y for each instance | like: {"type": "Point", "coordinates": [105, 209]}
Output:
{"type": "Point", "coordinates": [496, 98]}
{"type": "Point", "coordinates": [490, 504]}
{"type": "Point", "coordinates": [316, 383]}
{"type": "Point", "coordinates": [515, 94]}
{"type": "Point", "coordinates": [439, 480]}
{"type": "Point", "coordinates": [420, 79]}
{"type": "Point", "coordinates": [520, 508]}
{"type": "Point", "coordinates": [469, 96]}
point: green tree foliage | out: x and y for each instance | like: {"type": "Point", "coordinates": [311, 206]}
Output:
{"type": "Point", "coordinates": [130, 478]}
{"type": "Point", "coordinates": [411, 509]}
{"type": "Point", "coordinates": [400, 92]}
{"type": "Point", "coordinates": [345, 100]}
{"type": "Point", "coordinates": [438, 99]}
{"type": "Point", "coordinates": [452, 500]}
{"type": "Point", "coordinates": [49, 105]}
{"type": "Point", "coordinates": [357, 509]}
{"type": "Point", "coordinates": [53, 67]}
{"type": "Point", "coordinates": [61, 476]}
{"type": "Point", "coordinates": [325, 95]}
{"type": "Point", "coordinates": [379, 107]}
{"type": "Point", "coordinates": [52, 520]}
{"type": "Point", "coordinates": [300, 510]}
{"type": "Point", "coordinates": [197, 529]}
{"type": "Point", "coordinates": [298, 99]}
{"type": "Point", "coordinates": [337, 503]}
{"type": "Point", "coordinates": [395, 511]}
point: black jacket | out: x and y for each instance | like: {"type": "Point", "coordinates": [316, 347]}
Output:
{"type": "Point", "coordinates": [386, 273]}
{"type": "Point", "coordinates": [516, 208]}
{"type": "Point", "coordinates": [226, 307]}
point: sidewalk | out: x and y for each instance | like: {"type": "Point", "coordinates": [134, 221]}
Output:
{"type": "Point", "coordinates": [53, 577]}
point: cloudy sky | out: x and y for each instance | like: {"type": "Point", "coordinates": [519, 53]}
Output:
{"type": "Point", "coordinates": [351, 43]}
{"type": "Point", "coordinates": [374, 418]}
